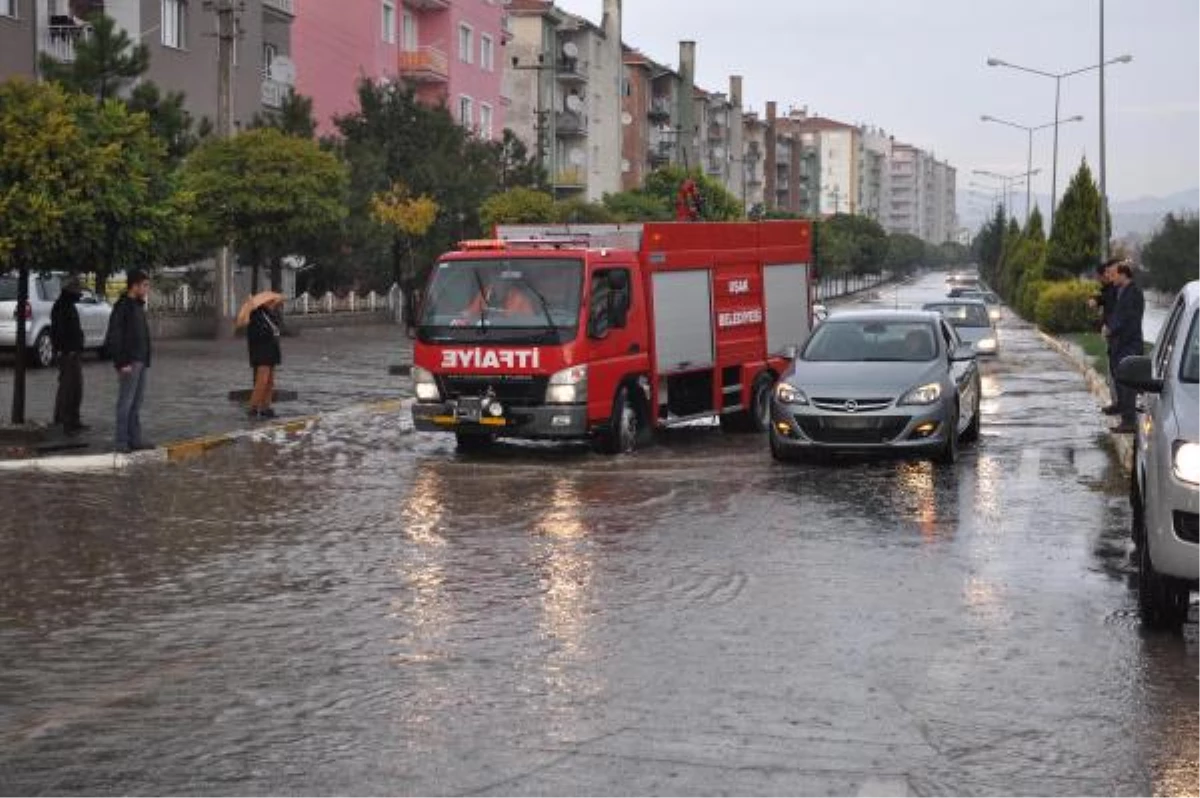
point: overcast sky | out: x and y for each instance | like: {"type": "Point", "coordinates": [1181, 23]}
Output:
{"type": "Point", "coordinates": [917, 69]}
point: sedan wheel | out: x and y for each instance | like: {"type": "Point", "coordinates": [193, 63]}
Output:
{"type": "Point", "coordinates": [949, 453]}
{"type": "Point", "coordinates": [42, 354]}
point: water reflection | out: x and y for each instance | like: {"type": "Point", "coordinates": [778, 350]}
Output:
{"type": "Point", "coordinates": [917, 485]}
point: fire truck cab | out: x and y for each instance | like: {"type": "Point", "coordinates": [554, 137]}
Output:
{"type": "Point", "coordinates": [605, 332]}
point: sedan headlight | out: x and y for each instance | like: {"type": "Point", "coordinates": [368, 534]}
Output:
{"type": "Point", "coordinates": [924, 395]}
{"type": "Point", "coordinates": [790, 394]}
{"type": "Point", "coordinates": [1185, 461]}
{"type": "Point", "coordinates": [986, 345]}
{"type": "Point", "coordinates": [568, 387]}
{"type": "Point", "coordinates": [426, 385]}
{"type": "Point", "coordinates": [994, 314]}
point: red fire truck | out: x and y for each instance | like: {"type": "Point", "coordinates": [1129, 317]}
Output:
{"type": "Point", "coordinates": [605, 332]}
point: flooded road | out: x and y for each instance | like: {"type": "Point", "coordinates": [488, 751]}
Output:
{"type": "Point", "coordinates": [361, 610]}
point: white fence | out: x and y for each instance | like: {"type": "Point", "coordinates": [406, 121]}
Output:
{"type": "Point", "coordinates": [186, 300]}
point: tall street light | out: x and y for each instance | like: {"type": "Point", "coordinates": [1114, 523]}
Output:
{"type": "Point", "coordinates": [1029, 159]}
{"type": "Point", "coordinates": [1058, 77]}
{"type": "Point", "coordinates": [1008, 181]}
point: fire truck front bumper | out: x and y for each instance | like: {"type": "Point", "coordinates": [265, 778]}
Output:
{"type": "Point", "coordinates": [547, 421]}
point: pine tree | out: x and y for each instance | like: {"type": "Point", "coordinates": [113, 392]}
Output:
{"type": "Point", "coordinates": [1035, 229]}
{"type": "Point", "coordinates": [1075, 240]}
{"type": "Point", "coordinates": [106, 61]}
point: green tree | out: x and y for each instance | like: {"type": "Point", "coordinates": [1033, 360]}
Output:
{"type": "Point", "coordinates": [637, 206]}
{"type": "Point", "coordinates": [169, 120]}
{"type": "Point", "coordinates": [517, 206]}
{"type": "Point", "coordinates": [1171, 254]}
{"type": "Point", "coordinates": [48, 167]}
{"type": "Point", "coordinates": [1035, 228]}
{"type": "Point", "coordinates": [580, 211]}
{"type": "Point", "coordinates": [266, 194]}
{"type": "Point", "coordinates": [517, 167]}
{"type": "Point", "coordinates": [406, 217]}
{"type": "Point", "coordinates": [106, 62]}
{"type": "Point", "coordinates": [905, 253]}
{"type": "Point", "coordinates": [294, 117]}
{"type": "Point", "coordinates": [1075, 239]}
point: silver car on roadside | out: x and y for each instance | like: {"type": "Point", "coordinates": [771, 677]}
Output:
{"type": "Point", "coordinates": [878, 382]}
{"type": "Point", "coordinates": [43, 290]}
{"type": "Point", "coordinates": [1165, 483]}
{"type": "Point", "coordinates": [973, 323]}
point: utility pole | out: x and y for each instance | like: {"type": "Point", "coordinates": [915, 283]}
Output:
{"type": "Point", "coordinates": [226, 41]}
{"type": "Point", "coordinates": [1103, 188]}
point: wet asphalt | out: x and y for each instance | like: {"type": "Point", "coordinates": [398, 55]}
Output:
{"type": "Point", "coordinates": [362, 610]}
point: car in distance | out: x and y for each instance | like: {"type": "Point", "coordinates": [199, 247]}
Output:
{"type": "Point", "coordinates": [878, 382]}
{"type": "Point", "coordinates": [1164, 488]}
{"type": "Point", "coordinates": [971, 320]}
{"type": "Point", "coordinates": [43, 290]}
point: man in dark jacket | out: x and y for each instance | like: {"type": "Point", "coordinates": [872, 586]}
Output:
{"type": "Point", "coordinates": [66, 334]}
{"type": "Point", "coordinates": [1106, 301]}
{"type": "Point", "coordinates": [1124, 332]}
{"type": "Point", "coordinates": [128, 344]}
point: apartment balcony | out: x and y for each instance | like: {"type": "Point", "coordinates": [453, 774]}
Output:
{"type": "Point", "coordinates": [424, 65]}
{"type": "Point", "coordinates": [285, 7]}
{"type": "Point", "coordinates": [660, 155]}
{"type": "Point", "coordinates": [660, 110]}
{"type": "Point", "coordinates": [570, 178]}
{"type": "Point", "coordinates": [569, 124]}
{"type": "Point", "coordinates": [571, 70]}
{"type": "Point", "coordinates": [716, 132]}
{"type": "Point", "coordinates": [58, 41]}
{"type": "Point", "coordinates": [427, 5]}
{"type": "Point", "coordinates": [715, 166]}
{"type": "Point", "coordinates": [274, 92]}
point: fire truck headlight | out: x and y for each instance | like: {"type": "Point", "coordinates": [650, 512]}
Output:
{"type": "Point", "coordinates": [425, 385]}
{"type": "Point", "coordinates": [568, 387]}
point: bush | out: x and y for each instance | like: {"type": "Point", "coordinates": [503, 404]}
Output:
{"type": "Point", "coordinates": [578, 211]}
{"type": "Point", "coordinates": [1027, 297]}
{"type": "Point", "coordinates": [1063, 307]}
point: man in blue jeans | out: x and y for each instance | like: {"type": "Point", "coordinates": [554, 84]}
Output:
{"type": "Point", "coordinates": [128, 344]}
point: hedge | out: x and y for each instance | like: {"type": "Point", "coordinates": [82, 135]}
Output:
{"type": "Point", "coordinates": [1062, 307]}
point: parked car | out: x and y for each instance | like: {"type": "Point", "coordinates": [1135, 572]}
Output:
{"type": "Point", "coordinates": [1163, 486]}
{"type": "Point", "coordinates": [971, 320]}
{"type": "Point", "coordinates": [899, 382]}
{"type": "Point", "coordinates": [989, 298]}
{"type": "Point", "coordinates": [43, 290]}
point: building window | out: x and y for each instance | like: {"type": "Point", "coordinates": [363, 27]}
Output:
{"type": "Point", "coordinates": [8, 8]}
{"type": "Point", "coordinates": [174, 22]}
{"type": "Point", "coordinates": [487, 53]}
{"type": "Point", "coordinates": [270, 51]}
{"type": "Point", "coordinates": [465, 115]}
{"type": "Point", "coordinates": [466, 44]}
{"type": "Point", "coordinates": [408, 33]}
{"type": "Point", "coordinates": [389, 21]}
{"type": "Point", "coordinates": [485, 121]}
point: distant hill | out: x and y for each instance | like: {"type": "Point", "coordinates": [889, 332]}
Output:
{"type": "Point", "coordinates": [1138, 217]}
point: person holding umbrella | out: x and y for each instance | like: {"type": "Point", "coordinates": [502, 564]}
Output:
{"type": "Point", "coordinates": [260, 316]}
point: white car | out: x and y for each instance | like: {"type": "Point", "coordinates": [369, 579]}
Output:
{"type": "Point", "coordinates": [1164, 488]}
{"type": "Point", "coordinates": [43, 290]}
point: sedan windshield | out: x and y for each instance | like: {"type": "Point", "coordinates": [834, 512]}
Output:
{"type": "Point", "coordinates": [509, 297]}
{"type": "Point", "coordinates": [872, 341]}
{"type": "Point", "coordinates": [962, 315]}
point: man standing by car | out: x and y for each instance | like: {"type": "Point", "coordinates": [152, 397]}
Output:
{"type": "Point", "coordinates": [1106, 301]}
{"type": "Point", "coordinates": [1124, 331]}
{"type": "Point", "coordinates": [128, 343]}
{"type": "Point", "coordinates": [66, 334]}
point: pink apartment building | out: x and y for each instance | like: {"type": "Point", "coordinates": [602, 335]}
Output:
{"type": "Point", "coordinates": [451, 50]}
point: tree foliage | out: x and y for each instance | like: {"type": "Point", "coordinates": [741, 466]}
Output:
{"type": "Point", "coordinates": [905, 252]}
{"type": "Point", "coordinates": [719, 205]}
{"type": "Point", "coordinates": [107, 61]}
{"type": "Point", "coordinates": [294, 117]}
{"type": "Point", "coordinates": [1075, 239]}
{"type": "Point", "coordinates": [517, 206]}
{"type": "Point", "coordinates": [1171, 255]}
{"type": "Point", "coordinates": [850, 244]}
{"type": "Point", "coordinates": [406, 218]}
{"type": "Point", "coordinates": [265, 193]}
{"type": "Point", "coordinates": [637, 206]}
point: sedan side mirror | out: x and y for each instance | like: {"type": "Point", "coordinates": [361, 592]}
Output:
{"type": "Point", "coordinates": [1137, 372]}
{"type": "Point", "coordinates": [963, 353]}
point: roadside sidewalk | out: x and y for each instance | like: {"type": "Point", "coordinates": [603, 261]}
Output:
{"type": "Point", "coordinates": [189, 383]}
{"type": "Point", "coordinates": [1098, 385]}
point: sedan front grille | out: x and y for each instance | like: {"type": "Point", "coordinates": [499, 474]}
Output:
{"type": "Point", "coordinates": [849, 405]}
{"type": "Point", "coordinates": [851, 429]}
{"type": "Point", "coordinates": [1187, 526]}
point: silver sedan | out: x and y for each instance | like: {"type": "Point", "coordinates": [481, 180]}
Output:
{"type": "Point", "coordinates": [899, 382]}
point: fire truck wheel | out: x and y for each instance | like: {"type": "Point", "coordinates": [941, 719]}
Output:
{"type": "Point", "coordinates": [473, 442]}
{"type": "Point", "coordinates": [624, 426]}
{"type": "Point", "coordinates": [758, 417]}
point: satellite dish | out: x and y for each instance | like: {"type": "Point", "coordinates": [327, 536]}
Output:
{"type": "Point", "coordinates": [570, 50]}
{"type": "Point", "coordinates": [576, 158]}
{"type": "Point", "coordinates": [626, 118]}
{"type": "Point", "coordinates": [718, 152]}
{"type": "Point", "coordinates": [283, 69]}
{"type": "Point", "coordinates": [625, 165]}
{"type": "Point", "coordinates": [574, 103]}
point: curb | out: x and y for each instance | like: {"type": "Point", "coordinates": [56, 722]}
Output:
{"type": "Point", "coordinates": [179, 451]}
{"type": "Point", "coordinates": [1099, 388]}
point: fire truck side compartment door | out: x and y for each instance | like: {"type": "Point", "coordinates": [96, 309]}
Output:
{"type": "Point", "coordinates": [683, 319]}
{"type": "Point", "coordinates": [786, 288]}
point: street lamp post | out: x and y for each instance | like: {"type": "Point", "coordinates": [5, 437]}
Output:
{"type": "Point", "coordinates": [1058, 77]}
{"type": "Point", "coordinates": [1029, 159]}
{"type": "Point", "coordinates": [1007, 181]}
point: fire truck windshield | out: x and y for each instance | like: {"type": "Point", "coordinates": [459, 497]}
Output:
{"type": "Point", "coordinates": [509, 299]}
